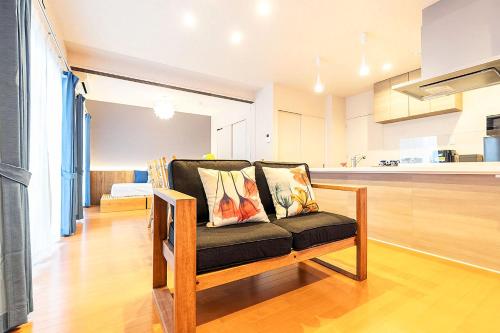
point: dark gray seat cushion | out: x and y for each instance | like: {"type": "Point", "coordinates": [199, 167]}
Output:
{"type": "Point", "coordinates": [316, 228]}
{"type": "Point", "coordinates": [237, 244]}
{"type": "Point", "coordinates": [183, 176]}
{"type": "Point", "coordinates": [264, 193]}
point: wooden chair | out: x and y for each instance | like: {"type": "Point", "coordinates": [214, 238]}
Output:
{"type": "Point", "coordinates": [177, 308]}
{"type": "Point", "coordinates": [156, 178]}
{"type": "Point", "coordinates": [158, 170]}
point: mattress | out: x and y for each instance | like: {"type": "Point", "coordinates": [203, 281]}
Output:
{"type": "Point", "coordinates": [122, 190]}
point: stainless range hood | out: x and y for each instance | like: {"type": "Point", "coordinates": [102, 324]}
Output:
{"type": "Point", "coordinates": [482, 75]}
{"type": "Point", "coordinates": [460, 48]}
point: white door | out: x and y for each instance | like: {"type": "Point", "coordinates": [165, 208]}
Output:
{"type": "Point", "coordinates": [312, 141]}
{"type": "Point", "coordinates": [224, 143]}
{"type": "Point", "coordinates": [289, 137]}
{"type": "Point", "coordinates": [239, 140]}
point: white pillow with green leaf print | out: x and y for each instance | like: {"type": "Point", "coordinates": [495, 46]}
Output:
{"type": "Point", "coordinates": [232, 196]}
{"type": "Point", "coordinates": [291, 191]}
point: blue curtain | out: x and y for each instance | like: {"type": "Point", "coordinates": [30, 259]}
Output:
{"type": "Point", "coordinates": [79, 155]}
{"type": "Point", "coordinates": [15, 252]}
{"type": "Point", "coordinates": [69, 186]}
{"type": "Point", "coordinates": [86, 161]}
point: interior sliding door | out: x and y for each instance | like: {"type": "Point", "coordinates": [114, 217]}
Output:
{"type": "Point", "coordinates": [225, 142]}
{"type": "Point", "coordinates": [289, 136]}
{"type": "Point", "coordinates": [312, 141]}
{"type": "Point", "coordinates": [239, 140]}
{"type": "Point", "coordinates": [301, 138]}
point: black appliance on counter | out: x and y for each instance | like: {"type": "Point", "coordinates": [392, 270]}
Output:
{"type": "Point", "coordinates": [493, 125]}
{"type": "Point", "coordinates": [445, 156]}
{"type": "Point", "coordinates": [471, 158]}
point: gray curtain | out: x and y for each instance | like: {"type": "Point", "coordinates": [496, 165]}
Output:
{"type": "Point", "coordinates": [15, 265]}
{"type": "Point", "coordinates": [79, 156]}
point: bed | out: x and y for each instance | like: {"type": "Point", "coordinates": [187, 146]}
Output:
{"type": "Point", "coordinates": [127, 196]}
{"type": "Point", "coordinates": [122, 190]}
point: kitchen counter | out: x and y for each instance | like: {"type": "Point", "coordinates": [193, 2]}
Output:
{"type": "Point", "coordinates": [469, 168]}
{"type": "Point", "coordinates": [450, 210]}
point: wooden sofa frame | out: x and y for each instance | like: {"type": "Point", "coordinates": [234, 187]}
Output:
{"type": "Point", "coordinates": [177, 309]}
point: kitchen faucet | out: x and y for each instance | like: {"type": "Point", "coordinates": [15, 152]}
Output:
{"type": "Point", "coordinates": [356, 159]}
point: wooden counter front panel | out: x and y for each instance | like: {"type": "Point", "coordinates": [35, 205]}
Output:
{"type": "Point", "coordinates": [456, 216]}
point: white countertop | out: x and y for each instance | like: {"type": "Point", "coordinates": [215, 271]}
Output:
{"type": "Point", "coordinates": [470, 168]}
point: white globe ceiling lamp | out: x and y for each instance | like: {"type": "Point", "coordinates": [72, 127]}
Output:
{"type": "Point", "coordinates": [164, 109]}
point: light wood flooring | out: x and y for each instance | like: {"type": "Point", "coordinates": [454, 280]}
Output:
{"type": "Point", "coordinates": [100, 281]}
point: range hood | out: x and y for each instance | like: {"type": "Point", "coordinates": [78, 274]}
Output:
{"type": "Point", "coordinates": [460, 48]}
{"type": "Point", "coordinates": [479, 76]}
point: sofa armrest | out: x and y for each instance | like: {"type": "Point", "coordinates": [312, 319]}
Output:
{"type": "Point", "coordinates": [184, 251]}
{"type": "Point", "coordinates": [184, 254]}
{"type": "Point", "coordinates": [361, 221]}
{"type": "Point", "coordinates": [350, 188]}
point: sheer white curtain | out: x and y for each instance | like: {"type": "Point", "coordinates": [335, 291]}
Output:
{"type": "Point", "coordinates": [45, 140]}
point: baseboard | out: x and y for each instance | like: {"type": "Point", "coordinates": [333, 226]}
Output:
{"type": "Point", "coordinates": [436, 255]}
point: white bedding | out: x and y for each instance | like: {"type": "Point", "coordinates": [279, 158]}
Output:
{"type": "Point", "coordinates": [131, 190]}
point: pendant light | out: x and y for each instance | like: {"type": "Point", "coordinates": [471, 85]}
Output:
{"type": "Point", "coordinates": [319, 87]}
{"type": "Point", "coordinates": [364, 70]}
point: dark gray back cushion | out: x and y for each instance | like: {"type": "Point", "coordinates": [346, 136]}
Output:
{"type": "Point", "coordinates": [264, 193]}
{"type": "Point", "coordinates": [183, 176]}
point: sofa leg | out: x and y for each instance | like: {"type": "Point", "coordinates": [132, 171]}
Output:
{"type": "Point", "coordinates": [335, 268]}
{"type": "Point", "coordinates": [362, 234]}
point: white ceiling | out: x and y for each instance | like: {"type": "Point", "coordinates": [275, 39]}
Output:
{"type": "Point", "coordinates": [279, 48]}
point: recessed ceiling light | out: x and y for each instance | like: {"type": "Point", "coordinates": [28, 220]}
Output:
{"type": "Point", "coordinates": [264, 8]}
{"type": "Point", "coordinates": [387, 66]}
{"type": "Point", "coordinates": [189, 20]}
{"type": "Point", "coordinates": [364, 70]}
{"type": "Point", "coordinates": [236, 37]}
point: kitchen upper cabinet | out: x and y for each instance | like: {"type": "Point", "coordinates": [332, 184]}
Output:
{"type": "Point", "coordinates": [399, 101]}
{"type": "Point", "coordinates": [382, 101]}
{"type": "Point", "coordinates": [417, 107]}
{"type": "Point", "coordinates": [391, 106]}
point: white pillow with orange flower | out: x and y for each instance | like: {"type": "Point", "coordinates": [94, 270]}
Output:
{"type": "Point", "coordinates": [232, 196]}
{"type": "Point", "coordinates": [291, 191]}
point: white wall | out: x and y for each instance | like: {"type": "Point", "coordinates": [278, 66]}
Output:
{"type": "Point", "coordinates": [124, 137]}
{"type": "Point", "coordinates": [265, 147]}
{"type": "Point", "coordinates": [335, 123]}
{"type": "Point", "coordinates": [462, 131]}
{"type": "Point", "coordinates": [277, 97]}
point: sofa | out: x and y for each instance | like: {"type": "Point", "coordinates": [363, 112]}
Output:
{"type": "Point", "coordinates": [201, 257]}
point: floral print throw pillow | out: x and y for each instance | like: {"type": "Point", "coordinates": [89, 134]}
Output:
{"type": "Point", "coordinates": [291, 191]}
{"type": "Point", "coordinates": [232, 196]}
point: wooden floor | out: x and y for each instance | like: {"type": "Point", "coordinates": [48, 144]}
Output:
{"type": "Point", "coordinates": [100, 281]}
